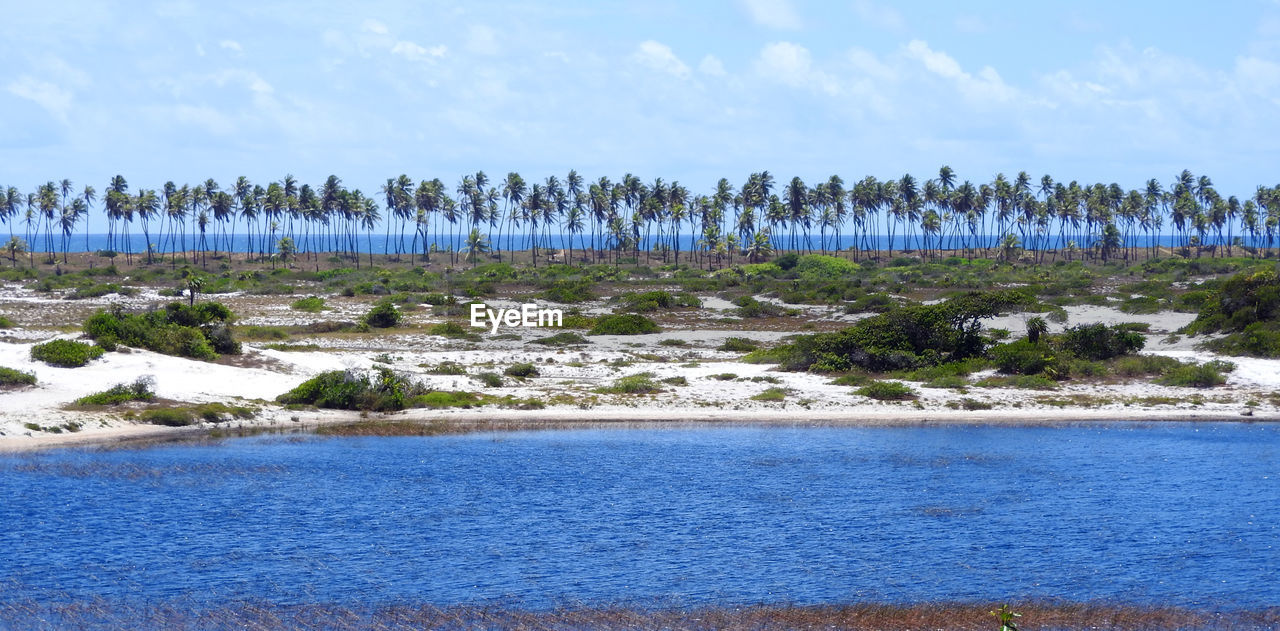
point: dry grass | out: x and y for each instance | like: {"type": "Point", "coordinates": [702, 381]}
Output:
{"type": "Point", "coordinates": [862, 617]}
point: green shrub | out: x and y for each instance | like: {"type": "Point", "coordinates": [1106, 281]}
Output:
{"type": "Point", "coordinates": [749, 307]}
{"type": "Point", "coordinates": [570, 291]}
{"type": "Point", "coordinates": [641, 383]}
{"type": "Point", "coordinates": [673, 342]}
{"type": "Point", "coordinates": [200, 331]}
{"type": "Point", "coordinates": [568, 338]}
{"type": "Point", "coordinates": [738, 345]}
{"type": "Point", "coordinates": [310, 304]}
{"type": "Point", "coordinates": [902, 339]}
{"type": "Point", "coordinates": [263, 333]}
{"type": "Point", "coordinates": [1194, 376]}
{"type": "Point", "coordinates": [724, 376]}
{"type": "Point", "coordinates": [10, 377]}
{"type": "Point", "coordinates": [1244, 299]}
{"type": "Point", "coordinates": [347, 390]}
{"type": "Point", "coordinates": [624, 324]}
{"type": "Point", "coordinates": [969, 404]}
{"type": "Point", "coordinates": [521, 371]}
{"type": "Point", "coordinates": [445, 399]}
{"type": "Point", "coordinates": [383, 315]}
{"type": "Point", "coordinates": [448, 368]}
{"type": "Point", "coordinates": [65, 353]}
{"type": "Point", "coordinates": [655, 300]}
{"type": "Point", "coordinates": [6, 323]}
{"type": "Point", "coordinates": [172, 417]}
{"type": "Point", "coordinates": [1143, 365]}
{"type": "Point", "coordinates": [851, 379]}
{"type": "Point", "coordinates": [823, 267]}
{"type": "Point", "coordinates": [139, 390]}
{"type": "Point", "coordinates": [886, 391]}
{"type": "Point", "coordinates": [490, 379]}
{"type": "Point", "coordinates": [772, 394]}
{"type": "Point", "coordinates": [1099, 341]}
{"type": "Point", "coordinates": [1258, 339]}
{"type": "Point", "coordinates": [676, 381]}
{"type": "Point", "coordinates": [948, 381]}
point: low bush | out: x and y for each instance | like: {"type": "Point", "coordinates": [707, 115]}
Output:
{"type": "Point", "coordinates": [310, 304]}
{"type": "Point", "coordinates": [1022, 357]}
{"type": "Point", "coordinates": [1204, 375]}
{"type": "Point", "coordinates": [886, 391]}
{"type": "Point", "coordinates": [6, 323]}
{"type": "Point", "coordinates": [263, 333]}
{"type": "Point", "coordinates": [724, 376]}
{"type": "Point", "coordinates": [383, 315]}
{"type": "Point", "coordinates": [1143, 365]}
{"type": "Point", "coordinates": [440, 399]}
{"type": "Point", "coordinates": [640, 383]}
{"type": "Point", "coordinates": [624, 324]}
{"type": "Point", "coordinates": [350, 390]}
{"type": "Point", "coordinates": [142, 389]}
{"type": "Point", "coordinates": [171, 417]}
{"type": "Point", "coordinates": [738, 345]}
{"type": "Point", "coordinates": [453, 330]}
{"type": "Point", "coordinates": [1099, 341]}
{"type": "Point", "coordinates": [772, 394]}
{"type": "Point", "coordinates": [448, 368]}
{"type": "Point", "coordinates": [676, 381]}
{"type": "Point", "coordinates": [65, 353]}
{"type": "Point", "coordinates": [200, 331]}
{"type": "Point", "coordinates": [570, 291]}
{"type": "Point", "coordinates": [655, 300]}
{"type": "Point", "coordinates": [490, 379]}
{"type": "Point", "coordinates": [568, 338]}
{"type": "Point", "coordinates": [521, 371]}
{"type": "Point", "coordinates": [749, 307]}
{"type": "Point", "coordinates": [12, 378]}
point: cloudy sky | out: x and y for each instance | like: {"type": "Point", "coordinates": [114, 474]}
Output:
{"type": "Point", "coordinates": [685, 90]}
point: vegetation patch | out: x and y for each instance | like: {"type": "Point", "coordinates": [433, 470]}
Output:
{"type": "Point", "coordinates": [65, 353]}
{"type": "Point", "coordinates": [738, 345]}
{"type": "Point", "coordinates": [310, 304]}
{"type": "Point", "coordinates": [886, 391]}
{"type": "Point", "coordinates": [522, 370]}
{"type": "Point", "coordinates": [640, 383]}
{"type": "Point", "coordinates": [567, 338]}
{"type": "Point", "coordinates": [655, 300]}
{"type": "Point", "coordinates": [12, 378]}
{"type": "Point", "coordinates": [199, 331]}
{"type": "Point", "coordinates": [624, 324]}
{"type": "Point", "coordinates": [383, 315]}
{"type": "Point", "coordinates": [351, 390]}
{"type": "Point", "coordinates": [142, 389]}
{"type": "Point", "coordinates": [772, 394]}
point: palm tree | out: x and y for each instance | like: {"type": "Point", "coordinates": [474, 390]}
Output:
{"type": "Point", "coordinates": [476, 244]}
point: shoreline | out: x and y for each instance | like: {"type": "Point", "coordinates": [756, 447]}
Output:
{"type": "Point", "coordinates": [481, 420]}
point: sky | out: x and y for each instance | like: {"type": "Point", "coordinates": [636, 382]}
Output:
{"type": "Point", "coordinates": [687, 90]}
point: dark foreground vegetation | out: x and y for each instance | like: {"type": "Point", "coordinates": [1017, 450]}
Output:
{"type": "Point", "coordinates": [863, 617]}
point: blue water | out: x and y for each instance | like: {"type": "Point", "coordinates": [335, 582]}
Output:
{"type": "Point", "coordinates": [136, 242]}
{"type": "Point", "coordinates": [1185, 514]}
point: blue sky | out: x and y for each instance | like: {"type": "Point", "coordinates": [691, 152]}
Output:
{"type": "Point", "coordinates": [689, 91]}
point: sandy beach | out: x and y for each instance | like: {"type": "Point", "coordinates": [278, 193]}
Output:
{"type": "Point", "coordinates": [706, 385]}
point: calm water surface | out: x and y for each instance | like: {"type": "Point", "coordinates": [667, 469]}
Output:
{"type": "Point", "coordinates": [1183, 514]}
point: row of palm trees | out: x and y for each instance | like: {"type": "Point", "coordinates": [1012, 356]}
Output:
{"type": "Point", "coordinates": [606, 220]}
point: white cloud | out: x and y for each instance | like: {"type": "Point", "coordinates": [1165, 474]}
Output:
{"type": "Point", "coordinates": [867, 64]}
{"type": "Point", "coordinates": [791, 64]}
{"type": "Point", "coordinates": [231, 44]}
{"type": "Point", "coordinates": [414, 52]}
{"type": "Point", "coordinates": [711, 66]}
{"type": "Point", "coordinates": [658, 56]}
{"type": "Point", "coordinates": [886, 18]}
{"type": "Point", "coordinates": [778, 14]}
{"type": "Point", "coordinates": [54, 99]}
{"type": "Point", "coordinates": [985, 87]}
{"type": "Point", "coordinates": [482, 40]}
{"type": "Point", "coordinates": [209, 119]}
{"type": "Point", "coordinates": [373, 26]}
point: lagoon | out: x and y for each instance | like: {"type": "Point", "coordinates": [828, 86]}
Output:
{"type": "Point", "coordinates": [1184, 514]}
